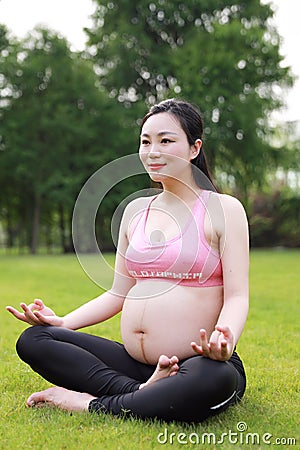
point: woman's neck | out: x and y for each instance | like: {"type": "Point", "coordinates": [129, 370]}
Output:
{"type": "Point", "coordinates": [185, 190]}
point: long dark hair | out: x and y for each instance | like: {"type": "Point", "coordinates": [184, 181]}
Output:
{"type": "Point", "coordinates": [191, 122]}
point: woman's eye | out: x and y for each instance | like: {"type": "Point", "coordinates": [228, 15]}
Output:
{"type": "Point", "coordinates": [166, 141]}
{"type": "Point", "coordinates": [144, 142]}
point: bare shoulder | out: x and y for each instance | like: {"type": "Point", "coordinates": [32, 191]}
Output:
{"type": "Point", "coordinates": [133, 209]}
{"type": "Point", "coordinates": [229, 204]}
{"type": "Point", "coordinates": [227, 214]}
{"type": "Point", "coordinates": [137, 205]}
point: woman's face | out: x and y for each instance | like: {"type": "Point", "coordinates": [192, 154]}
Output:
{"type": "Point", "coordinates": [164, 148]}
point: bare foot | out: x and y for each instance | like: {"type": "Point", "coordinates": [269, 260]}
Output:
{"type": "Point", "coordinates": [166, 367]}
{"type": "Point", "coordinates": [61, 398]}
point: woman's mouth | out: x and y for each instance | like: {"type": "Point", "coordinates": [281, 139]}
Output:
{"type": "Point", "coordinates": [155, 166]}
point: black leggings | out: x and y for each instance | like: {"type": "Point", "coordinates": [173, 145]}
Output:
{"type": "Point", "coordinates": [103, 368]}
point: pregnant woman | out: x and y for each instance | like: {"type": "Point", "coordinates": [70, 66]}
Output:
{"type": "Point", "coordinates": [181, 282]}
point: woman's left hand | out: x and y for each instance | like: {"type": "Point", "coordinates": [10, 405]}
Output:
{"type": "Point", "coordinates": [220, 345]}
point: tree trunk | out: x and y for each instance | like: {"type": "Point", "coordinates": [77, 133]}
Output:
{"type": "Point", "coordinates": [65, 226]}
{"type": "Point", "coordinates": [9, 231]}
{"type": "Point", "coordinates": [71, 248]}
{"type": "Point", "coordinates": [35, 225]}
{"type": "Point", "coordinates": [62, 228]}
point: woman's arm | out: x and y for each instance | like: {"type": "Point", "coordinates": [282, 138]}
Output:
{"type": "Point", "coordinates": [234, 247]}
{"type": "Point", "coordinates": [111, 302]}
{"type": "Point", "coordinates": [232, 228]}
{"type": "Point", "coordinates": [95, 311]}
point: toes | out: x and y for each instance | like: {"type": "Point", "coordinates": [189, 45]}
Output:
{"type": "Point", "coordinates": [40, 397]}
{"type": "Point", "coordinates": [174, 360]}
{"type": "Point", "coordinates": [168, 363]}
{"type": "Point", "coordinates": [163, 362]}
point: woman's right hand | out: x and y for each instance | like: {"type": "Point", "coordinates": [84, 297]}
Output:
{"type": "Point", "coordinates": [36, 314]}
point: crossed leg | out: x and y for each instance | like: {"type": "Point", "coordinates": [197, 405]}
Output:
{"type": "Point", "coordinates": [79, 401]}
{"type": "Point", "coordinates": [96, 374]}
{"type": "Point", "coordinates": [80, 362]}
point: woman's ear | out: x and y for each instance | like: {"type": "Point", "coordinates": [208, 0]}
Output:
{"type": "Point", "coordinates": [195, 149]}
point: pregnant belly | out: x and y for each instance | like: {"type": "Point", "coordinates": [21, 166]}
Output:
{"type": "Point", "coordinates": [162, 318]}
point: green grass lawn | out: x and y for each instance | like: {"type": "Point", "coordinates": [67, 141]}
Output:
{"type": "Point", "coordinates": [269, 348]}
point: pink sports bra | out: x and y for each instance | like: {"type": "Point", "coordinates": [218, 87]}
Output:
{"type": "Point", "coordinates": [186, 259]}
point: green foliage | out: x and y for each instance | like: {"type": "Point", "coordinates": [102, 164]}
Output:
{"type": "Point", "coordinates": [57, 129]}
{"type": "Point", "coordinates": [275, 219]}
{"type": "Point", "coordinates": [270, 404]}
{"type": "Point", "coordinates": [64, 114]}
{"type": "Point", "coordinates": [222, 55]}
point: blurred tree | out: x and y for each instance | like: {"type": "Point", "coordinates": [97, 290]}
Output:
{"type": "Point", "coordinates": [55, 132]}
{"type": "Point", "coordinates": [222, 55]}
{"type": "Point", "coordinates": [8, 65]}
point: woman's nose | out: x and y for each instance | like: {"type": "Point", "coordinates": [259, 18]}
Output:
{"type": "Point", "coordinates": [154, 151]}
